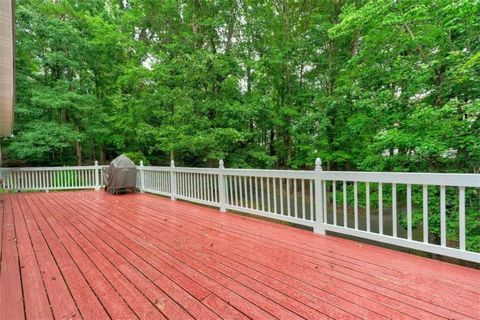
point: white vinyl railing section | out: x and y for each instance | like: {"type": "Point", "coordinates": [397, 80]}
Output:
{"type": "Point", "coordinates": [394, 208]}
{"type": "Point", "coordinates": [52, 178]}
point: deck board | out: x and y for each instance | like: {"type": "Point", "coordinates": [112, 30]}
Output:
{"type": "Point", "coordinates": [62, 303]}
{"type": "Point", "coordinates": [92, 255]}
{"type": "Point", "coordinates": [11, 297]}
{"type": "Point", "coordinates": [86, 299]}
{"type": "Point", "coordinates": [34, 292]}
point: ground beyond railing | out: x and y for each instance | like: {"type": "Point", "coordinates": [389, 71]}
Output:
{"type": "Point", "coordinates": [408, 205]}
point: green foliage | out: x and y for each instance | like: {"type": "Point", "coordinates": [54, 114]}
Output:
{"type": "Point", "coordinates": [42, 139]}
{"type": "Point", "coordinates": [136, 157]}
{"type": "Point", "coordinates": [371, 85]}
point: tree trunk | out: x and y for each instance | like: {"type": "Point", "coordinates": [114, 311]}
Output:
{"type": "Point", "coordinates": [78, 147]}
{"type": "Point", "coordinates": [102, 154]}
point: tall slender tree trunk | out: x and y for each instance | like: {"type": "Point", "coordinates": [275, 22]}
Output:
{"type": "Point", "coordinates": [102, 154]}
{"type": "Point", "coordinates": [78, 148]}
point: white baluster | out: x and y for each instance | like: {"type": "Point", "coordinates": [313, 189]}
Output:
{"type": "Point", "coordinates": [275, 195]}
{"type": "Point", "coordinates": [325, 201]}
{"type": "Point", "coordinates": [240, 191]}
{"type": "Point", "coordinates": [268, 195]}
{"type": "Point", "coordinates": [425, 213]}
{"type": "Point", "coordinates": [409, 211]}
{"type": "Point", "coordinates": [256, 193]}
{"type": "Point", "coordinates": [334, 201]}
{"type": "Point", "coordinates": [394, 209]}
{"type": "Point", "coordinates": [236, 189]}
{"type": "Point", "coordinates": [380, 208]}
{"type": "Point", "coordinates": [261, 193]}
{"type": "Point", "coordinates": [281, 197]}
{"type": "Point", "coordinates": [295, 211]}
{"type": "Point", "coordinates": [303, 198]}
{"type": "Point", "coordinates": [251, 192]}
{"type": "Point", "coordinates": [345, 221]}
{"type": "Point", "coordinates": [288, 197]}
{"type": "Point", "coordinates": [230, 184]}
{"type": "Point", "coordinates": [355, 203]}
{"type": "Point", "coordinates": [443, 218]}
{"type": "Point", "coordinates": [311, 200]}
{"type": "Point", "coordinates": [461, 217]}
{"type": "Point", "coordinates": [245, 192]}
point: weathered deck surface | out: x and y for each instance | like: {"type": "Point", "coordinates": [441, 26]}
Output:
{"type": "Point", "coordinates": [93, 255]}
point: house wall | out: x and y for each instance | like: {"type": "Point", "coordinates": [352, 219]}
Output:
{"type": "Point", "coordinates": [7, 67]}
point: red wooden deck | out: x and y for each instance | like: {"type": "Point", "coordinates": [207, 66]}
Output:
{"type": "Point", "coordinates": [93, 255]}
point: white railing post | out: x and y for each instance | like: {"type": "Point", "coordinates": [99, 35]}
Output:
{"type": "Point", "coordinates": [97, 176]}
{"type": "Point", "coordinates": [173, 181]}
{"type": "Point", "coordinates": [142, 177]}
{"type": "Point", "coordinates": [319, 223]}
{"type": "Point", "coordinates": [221, 187]}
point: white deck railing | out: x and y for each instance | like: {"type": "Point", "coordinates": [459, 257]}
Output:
{"type": "Point", "coordinates": [51, 178]}
{"type": "Point", "coordinates": [368, 205]}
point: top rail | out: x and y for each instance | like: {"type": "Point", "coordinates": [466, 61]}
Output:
{"type": "Point", "coordinates": [445, 179]}
{"type": "Point", "coordinates": [31, 169]}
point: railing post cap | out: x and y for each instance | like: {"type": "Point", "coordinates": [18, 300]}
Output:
{"type": "Point", "coordinates": [220, 164]}
{"type": "Point", "coordinates": [141, 163]}
{"type": "Point", "coordinates": [96, 163]}
{"type": "Point", "coordinates": [318, 164]}
{"type": "Point", "coordinates": [172, 163]}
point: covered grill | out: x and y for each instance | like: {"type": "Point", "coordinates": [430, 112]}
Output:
{"type": "Point", "coordinates": [121, 175]}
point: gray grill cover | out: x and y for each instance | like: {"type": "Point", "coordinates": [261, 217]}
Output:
{"type": "Point", "coordinates": [122, 174]}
